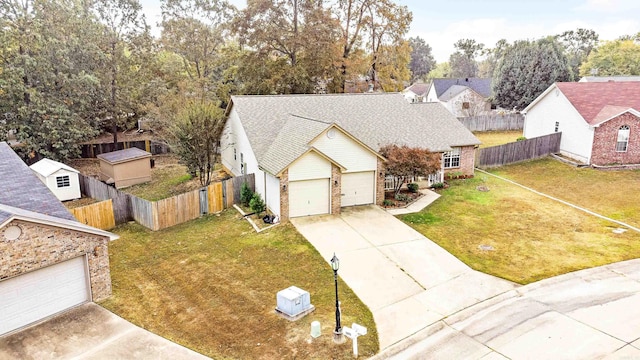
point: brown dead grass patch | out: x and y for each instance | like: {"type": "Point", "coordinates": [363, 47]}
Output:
{"type": "Point", "coordinates": [211, 284]}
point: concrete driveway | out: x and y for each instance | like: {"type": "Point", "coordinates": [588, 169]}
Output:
{"type": "Point", "coordinates": [407, 281]}
{"type": "Point", "coordinates": [90, 332]}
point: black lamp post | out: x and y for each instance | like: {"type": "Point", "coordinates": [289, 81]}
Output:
{"type": "Point", "coordinates": [337, 333]}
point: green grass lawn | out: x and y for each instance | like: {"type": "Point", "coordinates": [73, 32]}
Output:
{"type": "Point", "coordinates": [166, 181]}
{"type": "Point", "coordinates": [495, 138]}
{"type": "Point", "coordinates": [615, 194]}
{"type": "Point", "coordinates": [533, 237]}
{"type": "Point", "coordinates": [210, 284]}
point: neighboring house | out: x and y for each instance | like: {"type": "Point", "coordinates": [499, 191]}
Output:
{"type": "Point", "coordinates": [313, 154]}
{"type": "Point", "coordinates": [49, 262]}
{"type": "Point", "coordinates": [61, 179]}
{"type": "Point", "coordinates": [416, 93]}
{"type": "Point", "coordinates": [125, 167]}
{"type": "Point", "coordinates": [599, 121]}
{"type": "Point", "coordinates": [619, 78]}
{"type": "Point", "coordinates": [462, 97]}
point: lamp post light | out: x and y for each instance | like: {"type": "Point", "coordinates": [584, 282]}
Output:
{"type": "Point", "coordinates": [338, 337]}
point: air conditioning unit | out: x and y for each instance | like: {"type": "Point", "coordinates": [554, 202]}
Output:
{"type": "Point", "coordinates": [293, 303]}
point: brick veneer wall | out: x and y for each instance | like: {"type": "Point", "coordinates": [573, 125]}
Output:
{"type": "Point", "coordinates": [284, 197]}
{"type": "Point", "coordinates": [467, 161]}
{"type": "Point", "coordinates": [40, 246]}
{"type": "Point", "coordinates": [336, 191]}
{"type": "Point", "coordinates": [606, 136]}
{"type": "Point", "coordinates": [380, 173]}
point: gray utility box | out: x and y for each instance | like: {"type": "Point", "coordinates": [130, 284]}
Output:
{"type": "Point", "coordinates": [293, 301]}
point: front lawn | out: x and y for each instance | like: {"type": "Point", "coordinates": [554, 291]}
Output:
{"type": "Point", "coordinates": [615, 194]}
{"type": "Point", "coordinates": [210, 284]}
{"type": "Point", "coordinates": [532, 237]}
{"type": "Point", "coordinates": [495, 138]}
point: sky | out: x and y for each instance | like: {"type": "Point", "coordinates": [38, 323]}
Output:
{"type": "Point", "coordinates": [442, 23]}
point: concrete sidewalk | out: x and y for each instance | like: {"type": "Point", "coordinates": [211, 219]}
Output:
{"type": "Point", "coordinates": [407, 281]}
{"type": "Point", "coordinates": [589, 314]}
{"type": "Point", "coordinates": [417, 206]}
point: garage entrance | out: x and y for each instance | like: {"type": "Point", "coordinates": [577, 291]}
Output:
{"type": "Point", "coordinates": [308, 197]}
{"type": "Point", "coordinates": [358, 188]}
{"type": "Point", "coordinates": [27, 298]}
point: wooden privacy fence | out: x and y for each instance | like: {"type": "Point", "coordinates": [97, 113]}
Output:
{"type": "Point", "coordinates": [493, 122]}
{"type": "Point", "coordinates": [98, 215]}
{"type": "Point", "coordinates": [165, 213]}
{"type": "Point", "coordinates": [518, 151]}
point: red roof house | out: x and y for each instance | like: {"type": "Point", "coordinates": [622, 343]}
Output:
{"type": "Point", "coordinates": [600, 122]}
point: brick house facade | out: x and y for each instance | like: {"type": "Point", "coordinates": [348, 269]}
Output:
{"type": "Point", "coordinates": [467, 162]}
{"type": "Point", "coordinates": [605, 139]}
{"type": "Point", "coordinates": [40, 246]}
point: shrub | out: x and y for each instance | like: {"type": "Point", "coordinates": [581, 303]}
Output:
{"type": "Point", "coordinates": [245, 194]}
{"type": "Point", "coordinates": [402, 197]}
{"type": "Point", "coordinates": [256, 204]}
{"type": "Point", "coordinates": [521, 138]}
{"type": "Point", "coordinates": [413, 187]}
{"type": "Point", "coordinates": [387, 202]}
{"type": "Point", "coordinates": [438, 185]}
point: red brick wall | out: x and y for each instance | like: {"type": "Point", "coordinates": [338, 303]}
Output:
{"type": "Point", "coordinates": [284, 197]}
{"type": "Point", "coordinates": [380, 182]}
{"type": "Point", "coordinates": [605, 138]}
{"type": "Point", "coordinates": [40, 246]}
{"type": "Point", "coordinates": [467, 161]}
{"type": "Point", "coordinates": [336, 190]}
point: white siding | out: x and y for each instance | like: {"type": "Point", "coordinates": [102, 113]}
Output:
{"type": "Point", "coordinates": [431, 95]}
{"type": "Point", "coordinates": [64, 193]}
{"type": "Point", "coordinates": [577, 135]}
{"type": "Point", "coordinates": [310, 166]}
{"type": "Point", "coordinates": [234, 137]}
{"type": "Point", "coordinates": [272, 188]}
{"type": "Point", "coordinates": [346, 152]}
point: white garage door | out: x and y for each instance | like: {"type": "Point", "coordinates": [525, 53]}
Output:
{"type": "Point", "coordinates": [358, 188]}
{"type": "Point", "coordinates": [36, 295]}
{"type": "Point", "coordinates": [308, 197]}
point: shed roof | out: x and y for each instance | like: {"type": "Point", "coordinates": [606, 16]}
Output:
{"type": "Point", "coordinates": [480, 85]}
{"type": "Point", "coordinates": [276, 124]}
{"type": "Point", "coordinates": [22, 189]}
{"type": "Point", "coordinates": [120, 156]}
{"type": "Point", "coordinates": [46, 167]}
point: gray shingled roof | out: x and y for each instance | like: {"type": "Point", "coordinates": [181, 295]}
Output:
{"type": "Point", "coordinates": [479, 85]}
{"type": "Point", "coordinates": [291, 142]}
{"type": "Point", "coordinates": [273, 122]}
{"type": "Point", "coordinates": [419, 89]}
{"type": "Point", "coordinates": [617, 78]}
{"type": "Point", "coordinates": [452, 91]}
{"type": "Point", "coordinates": [119, 156]}
{"type": "Point", "coordinates": [21, 188]}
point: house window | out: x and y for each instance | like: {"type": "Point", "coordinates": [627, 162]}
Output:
{"type": "Point", "coordinates": [557, 126]}
{"type": "Point", "coordinates": [242, 164]}
{"type": "Point", "coordinates": [235, 157]}
{"type": "Point", "coordinates": [465, 105]}
{"type": "Point", "coordinates": [62, 181]}
{"type": "Point", "coordinates": [623, 138]}
{"type": "Point", "coordinates": [452, 158]}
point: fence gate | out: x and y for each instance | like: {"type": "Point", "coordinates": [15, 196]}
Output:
{"type": "Point", "coordinates": [204, 201]}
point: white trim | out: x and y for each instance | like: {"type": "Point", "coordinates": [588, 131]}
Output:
{"type": "Point", "coordinates": [80, 227]}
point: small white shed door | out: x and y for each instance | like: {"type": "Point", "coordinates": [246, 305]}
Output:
{"type": "Point", "coordinates": [358, 188]}
{"type": "Point", "coordinates": [308, 197]}
{"type": "Point", "coordinates": [28, 298]}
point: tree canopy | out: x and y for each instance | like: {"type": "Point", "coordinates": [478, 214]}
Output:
{"type": "Point", "coordinates": [422, 60]}
{"type": "Point", "coordinates": [405, 162]}
{"type": "Point", "coordinates": [618, 57]}
{"type": "Point", "coordinates": [526, 70]}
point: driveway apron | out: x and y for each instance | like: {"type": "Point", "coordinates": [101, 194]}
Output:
{"type": "Point", "coordinates": [407, 281]}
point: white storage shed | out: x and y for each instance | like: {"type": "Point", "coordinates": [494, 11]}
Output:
{"type": "Point", "coordinates": [61, 179]}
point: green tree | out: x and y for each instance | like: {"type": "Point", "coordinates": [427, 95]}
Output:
{"type": "Point", "coordinates": [393, 70]}
{"type": "Point", "coordinates": [404, 162]}
{"type": "Point", "coordinates": [194, 135]}
{"type": "Point", "coordinates": [422, 60]}
{"type": "Point", "coordinates": [618, 57]}
{"type": "Point", "coordinates": [463, 61]}
{"type": "Point", "coordinates": [578, 45]}
{"type": "Point", "coordinates": [493, 56]}
{"type": "Point", "coordinates": [123, 22]}
{"type": "Point", "coordinates": [527, 69]}
{"type": "Point", "coordinates": [440, 71]}
{"type": "Point", "coordinates": [49, 88]}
